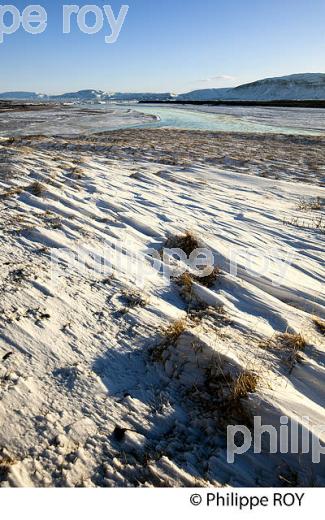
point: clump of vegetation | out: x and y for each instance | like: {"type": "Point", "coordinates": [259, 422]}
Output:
{"type": "Point", "coordinates": [187, 242]}
{"type": "Point", "coordinates": [246, 383]}
{"type": "Point", "coordinates": [213, 317]}
{"type": "Point", "coordinates": [186, 279]}
{"type": "Point", "coordinates": [174, 331]}
{"type": "Point", "coordinates": [170, 336]}
{"type": "Point", "coordinates": [185, 283]}
{"type": "Point", "coordinates": [11, 193]}
{"type": "Point", "coordinates": [223, 397]}
{"type": "Point", "coordinates": [289, 346]}
{"type": "Point", "coordinates": [18, 275]}
{"type": "Point", "coordinates": [315, 223]}
{"type": "Point", "coordinates": [36, 188]}
{"type": "Point", "coordinates": [320, 325]}
{"type": "Point", "coordinates": [133, 299]}
{"type": "Point", "coordinates": [6, 463]}
{"type": "Point", "coordinates": [292, 341]}
{"type": "Point", "coordinates": [218, 395]}
{"type": "Point", "coordinates": [310, 204]}
{"type": "Point", "coordinates": [77, 173]}
{"type": "Point", "coordinates": [210, 279]}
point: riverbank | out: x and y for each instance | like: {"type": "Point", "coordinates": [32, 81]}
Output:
{"type": "Point", "coordinates": [228, 103]}
{"type": "Point", "coordinates": [285, 157]}
{"type": "Point", "coordinates": [16, 106]}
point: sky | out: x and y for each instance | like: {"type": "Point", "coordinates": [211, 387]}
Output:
{"type": "Point", "coordinates": [167, 46]}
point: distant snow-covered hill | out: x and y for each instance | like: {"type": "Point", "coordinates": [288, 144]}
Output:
{"type": "Point", "coordinates": [89, 96]}
{"type": "Point", "coordinates": [295, 87]}
{"type": "Point", "coordinates": [204, 94]}
{"type": "Point", "coordinates": [81, 95]}
{"type": "Point", "coordinates": [100, 95]}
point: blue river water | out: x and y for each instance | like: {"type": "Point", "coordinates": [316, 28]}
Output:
{"type": "Point", "coordinates": [237, 119]}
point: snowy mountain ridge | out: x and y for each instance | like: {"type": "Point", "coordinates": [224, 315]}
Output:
{"type": "Point", "coordinates": [89, 95]}
{"type": "Point", "coordinates": [294, 87]}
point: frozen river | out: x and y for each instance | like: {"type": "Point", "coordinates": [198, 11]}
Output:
{"type": "Point", "coordinates": [239, 119]}
{"type": "Point", "coordinates": [99, 118]}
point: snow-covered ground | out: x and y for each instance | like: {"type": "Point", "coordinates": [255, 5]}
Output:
{"type": "Point", "coordinates": [69, 120]}
{"type": "Point", "coordinates": [87, 352]}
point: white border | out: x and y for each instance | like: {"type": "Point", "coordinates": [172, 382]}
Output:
{"type": "Point", "coordinates": [142, 504]}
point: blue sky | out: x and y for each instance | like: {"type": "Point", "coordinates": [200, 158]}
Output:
{"type": "Point", "coordinates": [168, 45]}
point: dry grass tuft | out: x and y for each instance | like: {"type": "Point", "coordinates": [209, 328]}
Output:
{"type": "Point", "coordinates": [36, 188]}
{"type": "Point", "coordinates": [288, 346]}
{"type": "Point", "coordinates": [76, 173]}
{"type": "Point", "coordinates": [210, 279]}
{"type": "Point", "coordinates": [186, 279]}
{"type": "Point", "coordinates": [310, 204]}
{"type": "Point", "coordinates": [10, 193]}
{"type": "Point", "coordinates": [187, 242]}
{"type": "Point", "coordinates": [214, 318]}
{"type": "Point", "coordinates": [5, 464]}
{"type": "Point", "coordinates": [174, 331]}
{"type": "Point", "coordinates": [220, 396]}
{"type": "Point", "coordinates": [286, 341]}
{"type": "Point", "coordinates": [132, 300]}
{"type": "Point", "coordinates": [313, 223]}
{"type": "Point", "coordinates": [170, 335]}
{"type": "Point", "coordinates": [245, 384]}
{"type": "Point", "coordinates": [320, 325]}
{"type": "Point", "coordinates": [185, 283]}
{"type": "Point", "coordinates": [223, 397]}
{"type": "Point", "coordinates": [292, 341]}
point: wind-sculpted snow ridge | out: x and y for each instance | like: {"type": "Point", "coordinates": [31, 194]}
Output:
{"type": "Point", "coordinates": [118, 377]}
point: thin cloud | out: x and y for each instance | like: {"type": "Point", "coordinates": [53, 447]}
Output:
{"type": "Point", "coordinates": [219, 78]}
